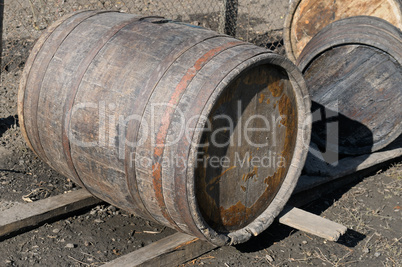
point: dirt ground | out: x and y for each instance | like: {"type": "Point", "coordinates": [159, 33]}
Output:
{"type": "Point", "coordinates": [370, 208]}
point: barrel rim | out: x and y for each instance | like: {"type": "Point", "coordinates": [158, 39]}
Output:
{"type": "Point", "coordinates": [287, 34]}
{"type": "Point", "coordinates": [326, 40]}
{"type": "Point", "coordinates": [295, 167]}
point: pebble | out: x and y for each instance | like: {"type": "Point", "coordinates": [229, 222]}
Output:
{"type": "Point", "coordinates": [70, 245]}
{"type": "Point", "coordinates": [377, 254]}
{"type": "Point", "coordinates": [112, 208]}
{"type": "Point", "coordinates": [304, 242]}
{"type": "Point", "coordinates": [98, 221]}
{"type": "Point", "coordinates": [56, 230]}
{"type": "Point", "coordinates": [366, 250]}
{"type": "Point", "coordinates": [269, 258]}
{"type": "Point", "coordinates": [87, 244]}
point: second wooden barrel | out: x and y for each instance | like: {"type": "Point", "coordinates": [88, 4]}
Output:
{"type": "Point", "coordinates": [307, 17]}
{"type": "Point", "coordinates": [353, 69]}
{"type": "Point", "coordinates": [178, 124]}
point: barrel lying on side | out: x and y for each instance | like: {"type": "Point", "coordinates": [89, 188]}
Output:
{"type": "Point", "coordinates": [307, 17]}
{"type": "Point", "coordinates": [175, 123]}
{"type": "Point", "coordinates": [353, 69]}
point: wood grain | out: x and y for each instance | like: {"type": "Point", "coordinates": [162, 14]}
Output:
{"type": "Point", "coordinates": [307, 17]}
{"type": "Point", "coordinates": [29, 215]}
{"type": "Point", "coordinates": [169, 251]}
{"type": "Point", "coordinates": [358, 97]}
{"type": "Point", "coordinates": [311, 223]}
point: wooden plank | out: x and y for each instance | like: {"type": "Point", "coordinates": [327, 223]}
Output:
{"type": "Point", "coordinates": [29, 215]}
{"type": "Point", "coordinates": [169, 251]}
{"type": "Point", "coordinates": [311, 223]}
{"type": "Point", "coordinates": [318, 190]}
{"type": "Point", "coordinates": [228, 17]}
{"type": "Point", "coordinates": [346, 167]}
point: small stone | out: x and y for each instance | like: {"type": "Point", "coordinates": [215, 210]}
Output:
{"type": "Point", "coordinates": [56, 230]}
{"type": "Point", "coordinates": [87, 244]}
{"type": "Point", "coordinates": [112, 208]}
{"type": "Point", "coordinates": [92, 212]}
{"type": "Point", "coordinates": [70, 245]}
{"type": "Point", "coordinates": [377, 254]}
{"type": "Point", "coordinates": [269, 258]}
{"type": "Point", "coordinates": [304, 242]}
{"type": "Point", "coordinates": [366, 250]}
{"type": "Point", "coordinates": [98, 221]}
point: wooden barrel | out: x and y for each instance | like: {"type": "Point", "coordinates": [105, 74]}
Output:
{"type": "Point", "coordinates": [307, 17]}
{"type": "Point", "coordinates": [178, 124]}
{"type": "Point", "coordinates": [353, 69]}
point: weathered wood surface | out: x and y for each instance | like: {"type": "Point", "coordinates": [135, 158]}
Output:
{"type": "Point", "coordinates": [307, 17]}
{"type": "Point", "coordinates": [87, 108]}
{"type": "Point", "coordinates": [25, 216]}
{"type": "Point", "coordinates": [358, 97]}
{"type": "Point", "coordinates": [169, 251]}
{"type": "Point", "coordinates": [311, 223]}
{"type": "Point", "coordinates": [320, 172]}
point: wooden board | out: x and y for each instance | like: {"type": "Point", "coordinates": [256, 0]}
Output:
{"type": "Point", "coordinates": [29, 215]}
{"type": "Point", "coordinates": [169, 251]}
{"type": "Point", "coordinates": [311, 223]}
{"type": "Point", "coordinates": [345, 167]}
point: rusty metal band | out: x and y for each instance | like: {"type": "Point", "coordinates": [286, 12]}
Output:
{"type": "Point", "coordinates": [168, 114]}
{"type": "Point", "coordinates": [34, 139]}
{"type": "Point", "coordinates": [81, 70]}
{"type": "Point", "coordinates": [199, 105]}
{"type": "Point", "coordinates": [149, 87]}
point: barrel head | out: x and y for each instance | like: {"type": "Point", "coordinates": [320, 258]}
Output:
{"type": "Point", "coordinates": [247, 148]}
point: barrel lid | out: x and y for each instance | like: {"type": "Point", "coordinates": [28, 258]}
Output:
{"type": "Point", "coordinates": [232, 201]}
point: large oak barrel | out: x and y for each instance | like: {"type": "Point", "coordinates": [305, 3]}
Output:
{"type": "Point", "coordinates": [178, 124]}
{"type": "Point", "coordinates": [307, 17]}
{"type": "Point", "coordinates": [353, 69]}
